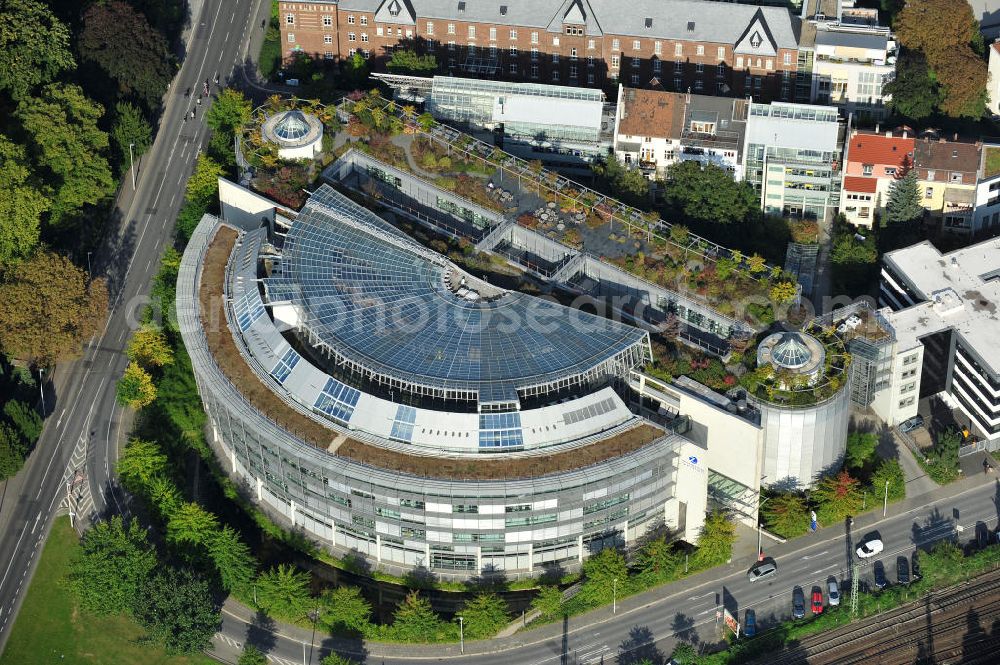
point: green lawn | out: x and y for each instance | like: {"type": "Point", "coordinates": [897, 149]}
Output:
{"type": "Point", "coordinates": [50, 628]}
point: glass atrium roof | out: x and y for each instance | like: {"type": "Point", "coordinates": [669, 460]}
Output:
{"type": "Point", "coordinates": [383, 302]}
{"type": "Point", "coordinates": [292, 127]}
{"type": "Point", "coordinates": [790, 352]}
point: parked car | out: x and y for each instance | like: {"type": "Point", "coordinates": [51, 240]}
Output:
{"type": "Point", "coordinates": [911, 424]}
{"type": "Point", "coordinates": [870, 548]}
{"type": "Point", "coordinates": [762, 570]}
{"type": "Point", "coordinates": [880, 580]}
{"type": "Point", "coordinates": [833, 592]}
{"type": "Point", "coordinates": [817, 600]}
{"type": "Point", "coordinates": [902, 570]}
{"type": "Point", "coordinates": [750, 623]}
{"type": "Point", "coordinates": [798, 603]}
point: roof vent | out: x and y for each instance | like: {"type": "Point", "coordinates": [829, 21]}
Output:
{"type": "Point", "coordinates": [649, 22]}
{"type": "Point", "coordinates": [461, 7]}
{"type": "Point", "coordinates": [503, 10]}
{"type": "Point", "coordinates": [690, 26]}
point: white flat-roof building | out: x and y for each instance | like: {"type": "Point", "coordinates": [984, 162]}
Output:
{"type": "Point", "coordinates": [943, 309]}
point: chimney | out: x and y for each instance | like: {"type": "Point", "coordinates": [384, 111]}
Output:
{"type": "Point", "coordinates": [888, 133]}
{"type": "Point", "coordinates": [876, 128]}
{"type": "Point", "coordinates": [956, 137]}
{"type": "Point", "coordinates": [904, 133]}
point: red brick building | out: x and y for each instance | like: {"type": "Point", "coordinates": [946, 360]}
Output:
{"type": "Point", "coordinates": [706, 47]}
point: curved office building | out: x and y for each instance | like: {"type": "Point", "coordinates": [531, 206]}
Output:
{"type": "Point", "coordinates": [368, 391]}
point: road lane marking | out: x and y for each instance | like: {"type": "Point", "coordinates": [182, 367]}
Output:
{"type": "Point", "coordinates": [813, 556]}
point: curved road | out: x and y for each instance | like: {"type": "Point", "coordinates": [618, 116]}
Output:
{"type": "Point", "coordinates": [85, 425]}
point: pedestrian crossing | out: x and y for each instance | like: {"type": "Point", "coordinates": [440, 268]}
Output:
{"type": "Point", "coordinates": [236, 644]}
{"type": "Point", "coordinates": [77, 498]}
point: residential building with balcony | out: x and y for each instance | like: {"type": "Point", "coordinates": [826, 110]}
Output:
{"type": "Point", "coordinates": [872, 161]}
{"type": "Point", "coordinates": [851, 68]}
{"type": "Point", "coordinates": [792, 158]}
{"type": "Point", "coordinates": [948, 174]}
{"type": "Point", "coordinates": [656, 129]}
{"type": "Point", "coordinates": [942, 308]}
{"type": "Point", "coordinates": [710, 47]}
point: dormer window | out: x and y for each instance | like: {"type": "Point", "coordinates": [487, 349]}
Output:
{"type": "Point", "coordinates": [690, 26]}
{"type": "Point", "coordinates": [756, 40]}
{"type": "Point", "coordinates": [461, 7]}
{"type": "Point", "coordinates": [503, 10]}
{"type": "Point", "coordinates": [649, 23]}
{"type": "Point", "coordinates": [395, 8]}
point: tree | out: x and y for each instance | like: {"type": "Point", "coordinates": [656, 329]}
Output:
{"type": "Point", "coordinates": [136, 388]}
{"type": "Point", "coordinates": [177, 610]}
{"type": "Point", "coordinates": [715, 543]}
{"type": "Point", "coordinates": [415, 621]}
{"type": "Point", "coordinates": [49, 308]}
{"type": "Point", "coordinates": [232, 558]}
{"type": "Point", "coordinates": [119, 40]}
{"type": "Point", "coordinates": [356, 70]}
{"type": "Point", "coordinates": [838, 496]}
{"type": "Point", "coordinates": [149, 347]}
{"type": "Point", "coordinates": [13, 451]}
{"type": "Point", "coordinates": [786, 514]}
{"type": "Point", "coordinates": [406, 61]}
{"type": "Point", "coordinates": [963, 76]}
{"type": "Point", "coordinates": [34, 46]}
{"type": "Point", "coordinates": [485, 616]}
{"type": "Point", "coordinates": [914, 90]}
{"type": "Point", "coordinates": [708, 194]}
{"type": "Point", "coordinates": [548, 602]}
{"type": "Point", "coordinates": [344, 607]}
{"type": "Point", "coordinates": [600, 572]}
{"type": "Point", "coordinates": [784, 292]}
{"type": "Point", "coordinates": [860, 448]}
{"type": "Point", "coordinates": [66, 142]}
{"type": "Point", "coordinates": [284, 592]}
{"type": "Point", "coordinates": [252, 656]}
{"type": "Point", "coordinates": [944, 456]}
{"type": "Point", "coordinates": [192, 524]}
{"type": "Point", "coordinates": [625, 183]}
{"type": "Point", "coordinates": [140, 462]}
{"type": "Point", "coordinates": [26, 421]}
{"type": "Point", "coordinates": [203, 185]}
{"type": "Point", "coordinates": [164, 496]}
{"type": "Point", "coordinates": [230, 111]}
{"type": "Point", "coordinates": [684, 654]}
{"type": "Point", "coordinates": [903, 206]}
{"type": "Point", "coordinates": [130, 129]}
{"type": "Point", "coordinates": [337, 659]}
{"type": "Point", "coordinates": [889, 471]}
{"type": "Point", "coordinates": [658, 558]}
{"type": "Point", "coordinates": [113, 566]}
{"type": "Point", "coordinates": [21, 205]}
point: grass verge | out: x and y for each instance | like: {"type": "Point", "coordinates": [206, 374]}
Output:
{"type": "Point", "coordinates": [51, 628]}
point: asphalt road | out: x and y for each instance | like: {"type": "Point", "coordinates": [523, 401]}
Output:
{"type": "Point", "coordinates": [86, 427]}
{"type": "Point", "coordinates": [685, 610]}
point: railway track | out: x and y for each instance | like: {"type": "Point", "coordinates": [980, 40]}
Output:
{"type": "Point", "coordinates": [938, 627]}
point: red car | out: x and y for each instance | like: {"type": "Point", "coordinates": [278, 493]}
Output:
{"type": "Point", "coordinates": [817, 601]}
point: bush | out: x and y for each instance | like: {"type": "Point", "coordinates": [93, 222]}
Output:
{"type": "Point", "coordinates": [485, 616]}
{"type": "Point", "coordinates": [786, 515]}
{"type": "Point", "coordinates": [889, 471]}
{"type": "Point", "coordinates": [715, 543]}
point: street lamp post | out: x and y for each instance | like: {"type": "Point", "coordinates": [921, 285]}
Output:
{"type": "Point", "coordinates": [41, 389]}
{"type": "Point", "coordinates": [131, 164]}
{"type": "Point", "coordinates": [461, 634]}
{"type": "Point", "coordinates": [614, 596]}
{"type": "Point", "coordinates": [885, 501]}
{"type": "Point", "coordinates": [89, 271]}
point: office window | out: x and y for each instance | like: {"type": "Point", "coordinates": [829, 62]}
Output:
{"type": "Point", "coordinates": [364, 36]}
{"type": "Point", "coordinates": [658, 47]}
{"type": "Point", "coordinates": [572, 71]}
{"type": "Point", "coordinates": [929, 193]}
{"type": "Point", "coordinates": [513, 35]}
{"type": "Point", "coordinates": [430, 46]}
{"type": "Point", "coordinates": [351, 37]}
{"type": "Point", "coordinates": [534, 53]}
{"type": "Point", "coordinates": [590, 61]}
{"type": "Point", "coordinates": [699, 68]}
{"type": "Point", "coordinates": [590, 44]}
{"type": "Point", "coordinates": [364, 20]}
{"type": "Point", "coordinates": [327, 21]}
{"type": "Point", "coordinates": [555, 75]}
{"type": "Point", "coordinates": [635, 61]}
{"type": "Point", "coordinates": [327, 39]}
{"type": "Point", "coordinates": [866, 169]}
{"type": "Point", "coordinates": [636, 45]}
{"type": "Point", "coordinates": [379, 31]}
{"type": "Point", "coordinates": [534, 71]}
{"type": "Point", "coordinates": [451, 46]}
{"type": "Point", "coordinates": [678, 49]}
{"type": "Point", "coordinates": [451, 28]}
{"type": "Point", "coordinates": [430, 27]}
{"type": "Point", "coordinates": [289, 19]}
{"type": "Point", "coordinates": [534, 37]}
{"type": "Point", "coordinates": [513, 68]}
{"type": "Point", "coordinates": [769, 65]}
{"type": "Point", "coordinates": [351, 52]}
{"type": "Point", "coordinates": [572, 53]}
{"type": "Point", "coordinates": [788, 58]}
{"type": "Point", "coordinates": [720, 53]}
{"type": "Point", "coordinates": [328, 55]}
{"type": "Point", "coordinates": [555, 58]}
{"type": "Point", "coordinates": [513, 51]}
{"type": "Point", "coordinates": [677, 82]}
{"type": "Point", "coordinates": [890, 170]}
{"type": "Point", "coordinates": [555, 41]}
{"type": "Point", "coordinates": [614, 62]}
{"type": "Point", "coordinates": [350, 19]}
{"type": "Point", "coordinates": [291, 38]}
{"type": "Point", "coordinates": [472, 32]}
{"type": "Point", "coordinates": [616, 45]}
{"type": "Point", "coordinates": [698, 85]}
{"type": "Point", "coordinates": [699, 50]}
{"type": "Point", "coordinates": [635, 79]}
{"type": "Point", "coordinates": [756, 82]}
{"type": "Point", "coordinates": [590, 78]}
{"type": "Point", "coordinates": [493, 34]}
{"type": "Point", "coordinates": [656, 66]}
{"type": "Point", "coordinates": [739, 62]}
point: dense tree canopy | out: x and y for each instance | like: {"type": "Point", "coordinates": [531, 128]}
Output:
{"type": "Point", "coordinates": [49, 309]}
{"type": "Point", "coordinates": [22, 203]}
{"type": "Point", "coordinates": [406, 61]}
{"type": "Point", "coordinates": [130, 129]}
{"type": "Point", "coordinates": [415, 620]}
{"type": "Point", "coordinates": [903, 206]}
{"type": "Point", "coordinates": [119, 40]}
{"type": "Point", "coordinates": [839, 496]}
{"type": "Point", "coordinates": [34, 46]}
{"type": "Point", "coordinates": [13, 450]}
{"type": "Point", "coordinates": [232, 558]}
{"type": "Point", "coordinates": [485, 616]}
{"type": "Point", "coordinates": [600, 572]}
{"type": "Point", "coordinates": [140, 462]}
{"type": "Point", "coordinates": [68, 145]}
{"type": "Point", "coordinates": [113, 567]}
{"type": "Point", "coordinates": [708, 193]}
{"type": "Point", "coordinates": [345, 608]}
{"type": "Point", "coordinates": [177, 610]}
{"type": "Point", "coordinates": [203, 185]}
{"type": "Point", "coordinates": [626, 184]}
{"type": "Point", "coordinates": [284, 591]}
{"type": "Point", "coordinates": [135, 389]}
{"type": "Point", "coordinates": [715, 543]}
{"type": "Point", "coordinates": [786, 515]}
{"type": "Point", "coordinates": [915, 92]}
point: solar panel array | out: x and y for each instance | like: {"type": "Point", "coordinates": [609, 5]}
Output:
{"type": "Point", "coordinates": [402, 426]}
{"type": "Point", "coordinates": [500, 430]}
{"type": "Point", "coordinates": [338, 400]}
{"type": "Point", "coordinates": [284, 365]}
{"type": "Point", "coordinates": [378, 298]}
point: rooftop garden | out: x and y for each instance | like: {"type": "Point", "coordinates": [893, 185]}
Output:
{"type": "Point", "coordinates": [789, 388]}
{"type": "Point", "coordinates": [991, 161]}
{"type": "Point", "coordinates": [570, 213]}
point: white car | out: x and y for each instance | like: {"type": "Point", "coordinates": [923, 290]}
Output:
{"type": "Point", "coordinates": [870, 549]}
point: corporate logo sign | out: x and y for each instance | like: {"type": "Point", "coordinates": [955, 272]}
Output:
{"type": "Point", "coordinates": [694, 463]}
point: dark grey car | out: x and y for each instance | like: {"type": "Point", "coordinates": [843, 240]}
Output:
{"type": "Point", "coordinates": [798, 603]}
